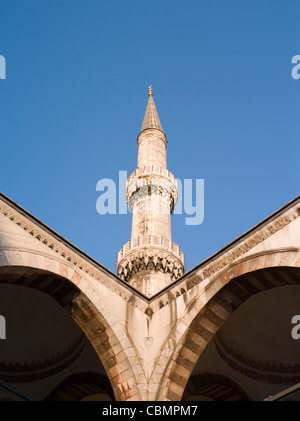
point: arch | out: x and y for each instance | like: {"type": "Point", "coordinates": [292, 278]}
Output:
{"type": "Point", "coordinates": [76, 293]}
{"type": "Point", "coordinates": [221, 298]}
{"type": "Point", "coordinates": [79, 386]}
{"type": "Point", "coordinates": [215, 387]}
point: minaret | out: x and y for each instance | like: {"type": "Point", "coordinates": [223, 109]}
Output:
{"type": "Point", "coordinates": [150, 261]}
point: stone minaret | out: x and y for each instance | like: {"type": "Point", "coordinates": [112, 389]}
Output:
{"type": "Point", "coordinates": [150, 261]}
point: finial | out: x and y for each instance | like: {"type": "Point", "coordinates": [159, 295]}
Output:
{"type": "Point", "coordinates": [150, 91]}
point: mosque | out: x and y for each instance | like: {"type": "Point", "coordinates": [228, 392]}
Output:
{"type": "Point", "coordinates": [75, 331]}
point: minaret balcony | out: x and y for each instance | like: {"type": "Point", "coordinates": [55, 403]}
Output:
{"type": "Point", "coordinates": [150, 251]}
{"type": "Point", "coordinates": [149, 181]}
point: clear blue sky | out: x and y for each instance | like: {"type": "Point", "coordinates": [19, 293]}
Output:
{"type": "Point", "coordinates": [76, 92]}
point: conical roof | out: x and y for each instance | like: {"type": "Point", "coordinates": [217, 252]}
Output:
{"type": "Point", "coordinates": [151, 119]}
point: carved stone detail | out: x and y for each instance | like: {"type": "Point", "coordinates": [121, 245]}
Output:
{"type": "Point", "coordinates": [156, 260]}
{"type": "Point", "coordinates": [150, 252]}
{"type": "Point", "coordinates": [149, 182]}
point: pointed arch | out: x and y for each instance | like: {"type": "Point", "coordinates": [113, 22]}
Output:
{"type": "Point", "coordinates": [75, 292]}
{"type": "Point", "coordinates": [222, 297]}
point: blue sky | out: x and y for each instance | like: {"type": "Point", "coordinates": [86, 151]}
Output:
{"type": "Point", "coordinates": [76, 92]}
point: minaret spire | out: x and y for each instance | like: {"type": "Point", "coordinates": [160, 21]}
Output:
{"type": "Point", "coordinates": [151, 119]}
{"type": "Point", "coordinates": [150, 261]}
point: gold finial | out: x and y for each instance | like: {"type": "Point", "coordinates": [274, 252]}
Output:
{"type": "Point", "coordinates": [150, 91]}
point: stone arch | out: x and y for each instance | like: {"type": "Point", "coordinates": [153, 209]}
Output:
{"type": "Point", "coordinates": [79, 386]}
{"type": "Point", "coordinates": [223, 295]}
{"type": "Point", "coordinates": [76, 292]}
{"type": "Point", "coordinates": [215, 387]}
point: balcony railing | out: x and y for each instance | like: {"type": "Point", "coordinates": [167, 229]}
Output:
{"type": "Point", "coordinates": [151, 240]}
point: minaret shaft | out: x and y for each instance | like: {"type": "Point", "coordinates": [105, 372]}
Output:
{"type": "Point", "coordinates": [151, 216]}
{"type": "Point", "coordinates": [152, 149]}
